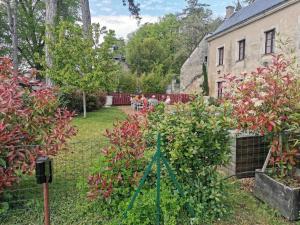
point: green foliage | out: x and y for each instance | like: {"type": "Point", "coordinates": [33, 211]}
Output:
{"type": "Point", "coordinates": [73, 101]}
{"type": "Point", "coordinates": [195, 140]}
{"type": "Point", "coordinates": [155, 81]}
{"type": "Point", "coordinates": [144, 209]}
{"type": "Point", "coordinates": [128, 83]}
{"type": "Point", "coordinates": [31, 28]}
{"type": "Point", "coordinates": [196, 21]}
{"type": "Point", "coordinates": [170, 41]}
{"type": "Point", "coordinates": [205, 86]}
{"type": "Point", "coordinates": [144, 54]}
{"type": "Point", "coordinates": [154, 44]}
{"type": "Point", "coordinates": [79, 64]}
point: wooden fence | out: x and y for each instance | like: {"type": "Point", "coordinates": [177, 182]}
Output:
{"type": "Point", "coordinates": [124, 99]}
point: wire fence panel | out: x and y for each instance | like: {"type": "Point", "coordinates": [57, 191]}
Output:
{"type": "Point", "coordinates": [23, 203]}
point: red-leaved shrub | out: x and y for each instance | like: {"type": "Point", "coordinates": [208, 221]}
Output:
{"type": "Point", "coordinates": [266, 102]}
{"type": "Point", "coordinates": [124, 159]}
{"type": "Point", "coordinates": [31, 124]}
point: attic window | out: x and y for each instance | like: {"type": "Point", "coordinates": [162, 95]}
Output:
{"type": "Point", "coordinates": [270, 42]}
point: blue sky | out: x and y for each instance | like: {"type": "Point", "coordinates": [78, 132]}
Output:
{"type": "Point", "coordinates": [113, 15]}
{"type": "Point", "coordinates": [151, 7]}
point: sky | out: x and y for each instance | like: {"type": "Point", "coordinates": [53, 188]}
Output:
{"type": "Point", "coordinates": [115, 16]}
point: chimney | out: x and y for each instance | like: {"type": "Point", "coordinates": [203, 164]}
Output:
{"type": "Point", "coordinates": [229, 11]}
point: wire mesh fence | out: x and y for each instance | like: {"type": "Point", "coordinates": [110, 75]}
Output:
{"type": "Point", "coordinates": [248, 153]}
{"type": "Point", "coordinates": [23, 203]}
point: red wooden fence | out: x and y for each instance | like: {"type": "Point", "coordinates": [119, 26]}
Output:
{"type": "Point", "coordinates": [124, 98]}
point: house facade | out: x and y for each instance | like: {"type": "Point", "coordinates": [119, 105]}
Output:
{"type": "Point", "coordinates": [248, 38]}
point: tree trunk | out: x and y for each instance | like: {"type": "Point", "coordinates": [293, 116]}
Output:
{"type": "Point", "coordinates": [51, 12]}
{"type": "Point", "coordinates": [86, 16]}
{"type": "Point", "coordinates": [84, 104]}
{"type": "Point", "coordinates": [12, 18]}
{"type": "Point", "coordinates": [86, 24]}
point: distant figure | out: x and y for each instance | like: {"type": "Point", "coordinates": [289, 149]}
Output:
{"type": "Point", "coordinates": [168, 100]}
{"type": "Point", "coordinates": [153, 101]}
{"type": "Point", "coordinates": [145, 101]}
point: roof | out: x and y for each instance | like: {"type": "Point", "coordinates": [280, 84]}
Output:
{"type": "Point", "coordinates": [255, 9]}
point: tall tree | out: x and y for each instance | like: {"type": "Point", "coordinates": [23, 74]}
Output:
{"type": "Point", "coordinates": [11, 7]}
{"type": "Point", "coordinates": [196, 22]}
{"type": "Point", "coordinates": [79, 64]}
{"type": "Point", "coordinates": [249, 1]}
{"type": "Point", "coordinates": [51, 15]}
{"type": "Point", "coordinates": [86, 24]}
{"type": "Point", "coordinates": [31, 28]}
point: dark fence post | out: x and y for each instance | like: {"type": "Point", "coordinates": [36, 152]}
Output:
{"type": "Point", "coordinates": [43, 172]}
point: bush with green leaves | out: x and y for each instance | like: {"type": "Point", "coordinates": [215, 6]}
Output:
{"type": "Point", "coordinates": [155, 81]}
{"type": "Point", "coordinates": [196, 142]}
{"type": "Point", "coordinates": [73, 101]}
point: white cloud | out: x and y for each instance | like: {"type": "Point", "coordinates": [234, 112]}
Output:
{"type": "Point", "coordinates": [123, 25]}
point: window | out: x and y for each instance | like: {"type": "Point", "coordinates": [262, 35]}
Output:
{"type": "Point", "coordinates": [242, 46]}
{"type": "Point", "coordinates": [221, 56]}
{"type": "Point", "coordinates": [220, 89]}
{"type": "Point", "coordinates": [270, 41]}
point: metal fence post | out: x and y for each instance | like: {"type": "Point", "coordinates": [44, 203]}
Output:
{"type": "Point", "coordinates": [158, 181]}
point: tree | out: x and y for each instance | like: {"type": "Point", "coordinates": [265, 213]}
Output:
{"type": "Point", "coordinates": [31, 29]}
{"type": "Point", "coordinates": [205, 85]}
{"type": "Point", "coordinates": [163, 46]}
{"type": "Point", "coordinates": [51, 13]}
{"type": "Point", "coordinates": [79, 64]}
{"type": "Point", "coordinates": [196, 22]}
{"type": "Point", "coordinates": [145, 55]}
{"type": "Point", "coordinates": [86, 24]}
{"type": "Point", "coordinates": [11, 7]}
{"type": "Point", "coordinates": [133, 8]}
{"type": "Point", "coordinates": [249, 1]}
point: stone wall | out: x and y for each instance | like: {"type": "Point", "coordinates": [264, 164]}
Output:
{"type": "Point", "coordinates": [191, 77]}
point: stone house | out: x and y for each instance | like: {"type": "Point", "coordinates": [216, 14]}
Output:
{"type": "Point", "coordinates": [246, 40]}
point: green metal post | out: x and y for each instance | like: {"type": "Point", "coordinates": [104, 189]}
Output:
{"type": "Point", "coordinates": [142, 182]}
{"type": "Point", "coordinates": [177, 185]}
{"type": "Point", "coordinates": [158, 181]}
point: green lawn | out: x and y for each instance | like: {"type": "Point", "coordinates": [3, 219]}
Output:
{"type": "Point", "coordinates": [247, 210]}
{"type": "Point", "coordinates": [92, 127]}
{"type": "Point", "coordinates": [72, 166]}
{"type": "Point", "coordinates": [69, 205]}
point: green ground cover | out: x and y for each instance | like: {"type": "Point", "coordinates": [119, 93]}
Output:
{"type": "Point", "coordinates": [69, 205]}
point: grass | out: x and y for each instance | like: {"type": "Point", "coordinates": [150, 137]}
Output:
{"type": "Point", "coordinates": [247, 210]}
{"type": "Point", "coordinates": [69, 205]}
{"type": "Point", "coordinates": [68, 202]}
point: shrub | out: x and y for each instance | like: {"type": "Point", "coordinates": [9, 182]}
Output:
{"type": "Point", "coordinates": [195, 140]}
{"type": "Point", "coordinates": [73, 101]}
{"type": "Point", "coordinates": [31, 124]}
{"type": "Point", "coordinates": [123, 162]}
{"type": "Point", "coordinates": [267, 102]}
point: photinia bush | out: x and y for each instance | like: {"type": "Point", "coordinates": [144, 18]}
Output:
{"type": "Point", "coordinates": [31, 124]}
{"type": "Point", "coordinates": [195, 139]}
{"type": "Point", "coordinates": [124, 159]}
{"type": "Point", "coordinates": [266, 101]}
